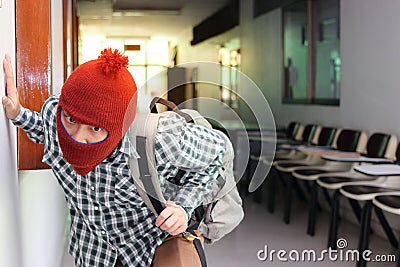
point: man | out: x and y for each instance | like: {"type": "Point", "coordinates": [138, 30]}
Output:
{"type": "Point", "coordinates": [85, 143]}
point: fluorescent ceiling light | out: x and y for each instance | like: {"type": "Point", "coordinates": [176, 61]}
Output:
{"type": "Point", "coordinates": [128, 37]}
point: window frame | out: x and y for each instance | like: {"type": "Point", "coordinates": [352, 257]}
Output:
{"type": "Point", "coordinates": [311, 37]}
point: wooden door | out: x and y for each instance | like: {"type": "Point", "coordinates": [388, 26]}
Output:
{"type": "Point", "coordinates": [33, 66]}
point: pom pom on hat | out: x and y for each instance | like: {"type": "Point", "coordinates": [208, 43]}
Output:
{"type": "Point", "coordinates": [99, 91]}
{"type": "Point", "coordinates": [112, 61]}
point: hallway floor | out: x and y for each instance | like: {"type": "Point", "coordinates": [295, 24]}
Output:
{"type": "Point", "coordinates": [261, 230]}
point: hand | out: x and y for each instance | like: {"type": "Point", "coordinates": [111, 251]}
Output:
{"type": "Point", "coordinates": [10, 102]}
{"type": "Point", "coordinates": [172, 219]}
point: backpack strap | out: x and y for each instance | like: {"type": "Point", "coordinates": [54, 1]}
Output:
{"type": "Point", "coordinates": [170, 105]}
{"type": "Point", "coordinates": [158, 100]}
{"type": "Point", "coordinates": [199, 248]}
{"type": "Point", "coordinates": [144, 173]}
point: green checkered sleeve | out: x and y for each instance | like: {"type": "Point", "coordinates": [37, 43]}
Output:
{"type": "Point", "coordinates": [193, 149]}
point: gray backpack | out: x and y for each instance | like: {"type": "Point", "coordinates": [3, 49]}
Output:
{"type": "Point", "coordinates": [223, 210]}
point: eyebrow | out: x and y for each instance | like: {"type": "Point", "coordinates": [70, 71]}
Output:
{"type": "Point", "coordinates": [67, 114]}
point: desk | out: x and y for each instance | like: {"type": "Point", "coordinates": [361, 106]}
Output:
{"type": "Point", "coordinates": [360, 159]}
{"type": "Point", "coordinates": [379, 170]}
{"type": "Point", "coordinates": [325, 151]}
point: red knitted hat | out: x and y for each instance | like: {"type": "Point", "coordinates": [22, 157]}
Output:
{"type": "Point", "coordinates": [100, 93]}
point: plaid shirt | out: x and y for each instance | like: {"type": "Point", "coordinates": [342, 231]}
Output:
{"type": "Point", "coordinates": [109, 220]}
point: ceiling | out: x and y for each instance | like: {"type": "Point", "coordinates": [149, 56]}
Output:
{"type": "Point", "coordinates": [144, 19]}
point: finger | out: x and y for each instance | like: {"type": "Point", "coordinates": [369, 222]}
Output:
{"type": "Point", "coordinates": [10, 102]}
{"type": "Point", "coordinates": [170, 224]}
{"type": "Point", "coordinates": [175, 228]}
{"type": "Point", "coordinates": [11, 89]}
{"type": "Point", "coordinates": [172, 204]}
{"type": "Point", "coordinates": [165, 214]}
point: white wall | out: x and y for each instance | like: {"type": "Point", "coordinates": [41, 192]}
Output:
{"type": "Point", "coordinates": [57, 51]}
{"type": "Point", "coordinates": [370, 38]}
{"type": "Point", "coordinates": [43, 218]}
{"type": "Point", "coordinates": [9, 209]}
{"type": "Point", "coordinates": [261, 55]}
{"type": "Point", "coordinates": [204, 56]}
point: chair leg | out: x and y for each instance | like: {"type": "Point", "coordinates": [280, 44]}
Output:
{"type": "Point", "coordinates": [334, 222]}
{"type": "Point", "coordinates": [288, 198]}
{"type": "Point", "coordinates": [300, 192]}
{"type": "Point", "coordinates": [327, 196]}
{"type": "Point", "coordinates": [313, 209]}
{"type": "Point", "coordinates": [281, 180]}
{"type": "Point", "coordinates": [271, 187]}
{"type": "Point", "coordinates": [386, 227]}
{"type": "Point", "coordinates": [307, 186]}
{"type": "Point", "coordinates": [364, 232]}
{"type": "Point", "coordinates": [356, 208]}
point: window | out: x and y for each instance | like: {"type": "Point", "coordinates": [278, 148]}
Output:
{"type": "Point", "coordinates": [311, 52]}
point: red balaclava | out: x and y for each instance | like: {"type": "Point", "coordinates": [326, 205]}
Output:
{"type": "Point", "coordinates": [100, 93]}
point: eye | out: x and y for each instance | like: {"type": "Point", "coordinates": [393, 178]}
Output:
{"type": "Point", "coordinates": [70, 119]}
{"type": "Point", "coordinates": [96, 129]}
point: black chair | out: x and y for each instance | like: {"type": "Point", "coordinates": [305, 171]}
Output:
{"type": "Point", "coordinates": [336, 181]}
{"type": "Point", "coordinates": [389, 204]}
{"type": "Point", "coordinates": [347, 141]}
{"type": "Point", "coordinates": [376, 147]}
{"type": "Point", "coordinates": [325, 137]}
{"type": "Point", "coordinates": [366, 192]}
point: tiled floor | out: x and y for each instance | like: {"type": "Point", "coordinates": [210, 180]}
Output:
{"type": "Point", "coordinates": [260, 230]}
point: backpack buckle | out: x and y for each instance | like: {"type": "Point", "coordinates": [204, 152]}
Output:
{"type": "Point", "coordinates": [189, 236]}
